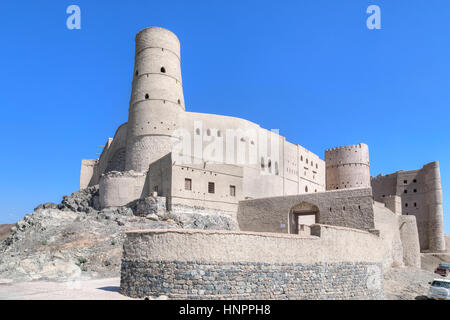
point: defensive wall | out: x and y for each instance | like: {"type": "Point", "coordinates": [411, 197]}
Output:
{"type": "Point", "coordinates": [347, 208]}
{"type": "Point", "coordinates": [330, 263]}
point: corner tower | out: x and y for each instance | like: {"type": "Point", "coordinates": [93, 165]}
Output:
{"type": "Point", "coordinates": [347, 167]}
{"type": "Point", "coordinates": [157, 101]}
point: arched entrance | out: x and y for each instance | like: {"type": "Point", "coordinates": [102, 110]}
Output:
{"type": "Point", "coordinates": [302, 213]}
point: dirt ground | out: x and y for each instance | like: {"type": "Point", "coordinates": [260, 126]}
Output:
{"type": "Point", "coordinates": [98, 289]}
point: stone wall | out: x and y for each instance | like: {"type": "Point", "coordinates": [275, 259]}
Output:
{"type": "Point", "coordinates": [248, 280]}
{"type": "Point", "coordinates": [333, 263]}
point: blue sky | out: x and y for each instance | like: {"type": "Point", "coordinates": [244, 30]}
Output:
{"type": "Point", "coordinates": [310, 68]}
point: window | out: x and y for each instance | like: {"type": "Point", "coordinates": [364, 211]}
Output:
{"type": "Point", "coordinates": [179, 101]}
{"type": "Point", "coordinates": [276, 168]}
{"type": "Point", "coordinates": [147, 96]}
{"type": "Point", "coordinates": [210, 187]}
{"type": "Point", "coordinates": [415, 180]}
{"type": "Point", "coordinates": [219, 134]}
{"type": "Point", "coordinates": [406, 205]}
{"type": "Point", "coordinates": [208, 132]}
{"type": "Point", "coordinates": [415, 190]}
{"type": "Point", "coordinates": [155, 189]}
{"type": "Point", "coordinates": [306, 160]}
{"type": "Point", "coordinates": [233, 191]}
{"type": "Point", "coordinates": [163, 70]}
{"type": "Point", "coordinates": [306, 189]}
{"type": "Point", "coordinates": [301, 158]}
{"type": "Point", "coordinates": [187, 184]}
{"type": "Point", "coordinates": [262, 162]}
{"type": "Point", "coordinates": [415, 204]}
{"type": "Point", "coordinates": [269, 164]}
{"type": "Point", "coordinates": [406, 191]}
{"type": "Point", "coordinates": [405, 181]}
{"type": "Point", "coordinates": [137, 72]}
{"type": "Point", "coordinates": [317, 167]}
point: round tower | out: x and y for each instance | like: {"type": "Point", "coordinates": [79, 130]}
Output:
{"type": "Point", "coordinates": [156, 101]}
{"type": "Point", "coordinates": [347, 167]}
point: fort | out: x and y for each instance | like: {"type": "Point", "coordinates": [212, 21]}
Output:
{"type": "Point", "coordinates": [309, 228]}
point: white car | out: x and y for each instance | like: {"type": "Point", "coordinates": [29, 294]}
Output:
{"type": "Point", "coordinates": [439, 290]}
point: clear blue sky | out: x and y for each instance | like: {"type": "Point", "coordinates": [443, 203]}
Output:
{"type": "Point", "coordinates": [310, 68]}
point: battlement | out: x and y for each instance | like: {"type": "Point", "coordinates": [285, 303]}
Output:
{"type": "Point", "coordinates": [348, 148]}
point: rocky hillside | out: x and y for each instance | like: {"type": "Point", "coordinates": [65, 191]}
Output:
{"type": "Point", "coordinates": [74, 239]}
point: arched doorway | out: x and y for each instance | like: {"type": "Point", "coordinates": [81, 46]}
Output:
{"type": "Point", "coordinates": [302, 213]}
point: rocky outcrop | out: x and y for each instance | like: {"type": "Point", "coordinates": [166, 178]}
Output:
{"type": "Point", "coordinates": [75, 240]}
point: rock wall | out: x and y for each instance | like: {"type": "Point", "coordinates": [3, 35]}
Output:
{"type": "Point", "coordinates": [333, 263]}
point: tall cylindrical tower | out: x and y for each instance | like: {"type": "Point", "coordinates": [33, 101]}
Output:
{"type": "Point", "coordinates": [347, 167]}
{"type": "Point", "coordinates": [156, 98]}
{"type": "Point", "coordinates": [433, 197]}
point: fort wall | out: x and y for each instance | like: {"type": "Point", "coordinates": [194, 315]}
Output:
{"type": "Point", "coordinates": [333, 263]}
{"type": "Point", "coordinates": [347, 208]}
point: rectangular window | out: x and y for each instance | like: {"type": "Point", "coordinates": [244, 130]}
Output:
{"type": "Point", "coordinates": [155, 189]}
{"type": "Point", "coordinates": [210, 187]}
{"type": "Point", "coordinates": [233, 191]}
{"type": "Point", "coordinates": [187, 184]}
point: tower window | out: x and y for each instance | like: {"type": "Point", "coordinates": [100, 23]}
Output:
{"type": "Point", "coordinates": [208, 132]}
{"type": "Point", "coordinates": [415, 190]}
{"type": "Point", "coordinates": [405, 181]}
{"type": "Point", "coordinates": [179, 101]}
{"type": "Point", "coordinates": [406, 205]}
{"type": "Point", "coordinates": [406, 191]}
{"type": "Point", "coordinates": [147, 96]}
{"type": "Point", "coordinates": [262, 162]}
{"type": "Point", "coordinates": [163, 70]}
{"type": "Point", "coordinates": [306, 189]}
{"type": "Point", "coordinates": [415, 204]}
{"type": "Point", "coordinates": [211, 187]}
{"type": "Point", "coordinates": [233, 191]}
{"type": "Point", "coordinates": [155, 189]}
{"type": "Point", "coordinates": [197, 131]}
{"type": "Point", "coordinates": [415, 180]}
{"type": "Point", "coordinates": [187, 184]}
{"type": "Point", "coordinates": [137, 72]}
